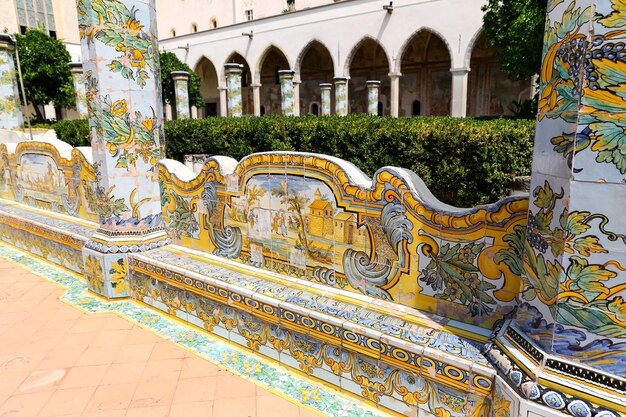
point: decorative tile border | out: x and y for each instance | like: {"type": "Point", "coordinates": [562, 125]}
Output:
{"type": "Point", "coordinates": [397, 376]}
{"type": "Point", "coordinates": [249, 366]}
{"type": "Point", "coordinates": [558, 392]}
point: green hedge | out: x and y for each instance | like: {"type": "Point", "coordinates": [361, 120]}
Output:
{"type": "Point", "coordinates": [74, 132]}
{"type": "Point", "coordinates": [464, 162]}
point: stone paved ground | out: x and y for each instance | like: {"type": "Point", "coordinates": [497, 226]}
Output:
{"type": "Point", "coordinates": [56, 360]}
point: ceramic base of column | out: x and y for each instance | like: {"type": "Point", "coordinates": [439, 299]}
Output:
{"type": "Point", "coordinates": [105, 259]}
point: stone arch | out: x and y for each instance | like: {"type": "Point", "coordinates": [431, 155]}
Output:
{"type": "Point", "coordinates": [246, 81]}
{"type": "Point", "coordinates": [470, 47]}
{"type": "Point", "coordinates": [489, 90]}
{"type": "Point", "coordinates": [410, 39]}
{"type": "Point", "coordinates": [424, 63]}
{"type": "Point", "coordinates": [209, 83]}
{"type": "Point", "coordinates": [368, 60]}
{"type": "Point", "coordinates": [270, 62]}
{"type": "Point", "coordinates": [356, 48]}
{"type": "Point", "coordinates": [314, 43]}
{"type": "Point", "coordinates": [314, 66]}
{"type": "Point", "coordinates": [271, 52]}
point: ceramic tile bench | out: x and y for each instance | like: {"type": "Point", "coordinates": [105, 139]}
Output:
{"type": "Point", "coordinates": [396, 357]}
{"type": "Point", "coordinates": [55, 237]}
{"type": "Point", "coordinates": [369, 285]}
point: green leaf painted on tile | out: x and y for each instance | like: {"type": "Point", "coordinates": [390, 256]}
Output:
{"type": "Point", "coordinates": [617, 18]}
{"type": "Point", "coordinates": [588, 277]}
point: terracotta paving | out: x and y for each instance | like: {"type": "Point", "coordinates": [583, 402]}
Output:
{"type": "Point", "coordinates": [56, 360]}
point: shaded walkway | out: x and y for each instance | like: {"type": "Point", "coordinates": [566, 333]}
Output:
{"type": "Point", "coordinates": [56, 360]}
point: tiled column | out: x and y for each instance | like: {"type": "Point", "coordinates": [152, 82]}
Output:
{"type": "Point", "coordinates": [10, 113]}
{"type": "Point", "coordinates": [126, 126]}
{"type": "Point", "coordinates": [181, 91]}
{"type": "Point", "coordinates": [458, 106]}
{"type": "Point", "coordinates": [373, 88]}
{"type": "Point", "coordinates": [325, 97]}
{"type": "Point", "coordinates": [287, 101]}
{"type": "Point", "coordinates": [565, 347]}
{"type": "Point", "coordinates": [233, 85]}
{"type": "Point", "coordinates": [394, 109]}
{"type": "Point", "coordinates": [76, 69]}
{"type": "Point", "coordinates": [256, 98]}
{"type": "Point", "coordinates": [341, 96]}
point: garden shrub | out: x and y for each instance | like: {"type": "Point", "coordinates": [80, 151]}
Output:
{"type": "Point", "coordinates": [74, 132]}
{"type": "Point", "coordinates": [464, 162]}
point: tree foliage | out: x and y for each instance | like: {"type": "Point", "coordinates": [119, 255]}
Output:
{"type": "Point", "coordinates": [45, 70]}
{"type": "Point", "coordinates": [515, 28]}
{"type": "Point", "coordinates": [170, 63]}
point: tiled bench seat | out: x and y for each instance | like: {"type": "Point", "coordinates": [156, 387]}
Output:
{"type": "Point", "coordinates": [396, 357]}
{"type": "Point", "coordinates": [55, 237]}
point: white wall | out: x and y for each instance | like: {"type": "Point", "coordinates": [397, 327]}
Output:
{"type": "Point", "coordinates": [181, 14]}
{"type": "Point", "coordinates": [8, 16]}
{"type": "Point", "coordinates": [339, 26]}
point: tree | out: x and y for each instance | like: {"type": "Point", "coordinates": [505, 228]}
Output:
{"type": "Point", "coordinates": [45, 71]}
{"type": "Point", "coordinates": [170, 63]}
{"type": "Point", "coordinates": [515, 28]}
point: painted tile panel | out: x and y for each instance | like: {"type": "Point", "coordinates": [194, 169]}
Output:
{"type": "Point", "coordinates": [316, 217]}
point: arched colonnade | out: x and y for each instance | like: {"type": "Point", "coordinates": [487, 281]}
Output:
{"type": "Point", "coordinates": [416, 79]}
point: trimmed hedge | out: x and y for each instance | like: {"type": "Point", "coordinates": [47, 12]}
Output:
{"type": "Point", "coordinates": [74, 132]}
{"type": "Point", "coordinates": [464, 162]}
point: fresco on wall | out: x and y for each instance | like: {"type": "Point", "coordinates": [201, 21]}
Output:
{"type": "Point", "coordinates": [270, 99]}
{"type": "Point", "coordinates": [439, 100]}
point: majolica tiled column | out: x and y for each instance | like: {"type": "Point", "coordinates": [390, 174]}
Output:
{"type": "Point", "coordinates": [233, 84]}
{"type": "Point", "coordinates": [373, 88]}
{"type": "Point", "coordinates": [341, 96]}
{"type": "Point", "coordinates": [286, 92]}
{"type": "Point", "coordinates": [181, 90]}
{"type": "Point", "coordinates": [565, 348]}
{"type": "Point", "coordinates": [325, 97]}
{"type": "Point", "coordinates": [76, 69]}
{"type": "Point", "coordinates": [121, 66]}
{"type": "Point", "coordinates": [10, 113]}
